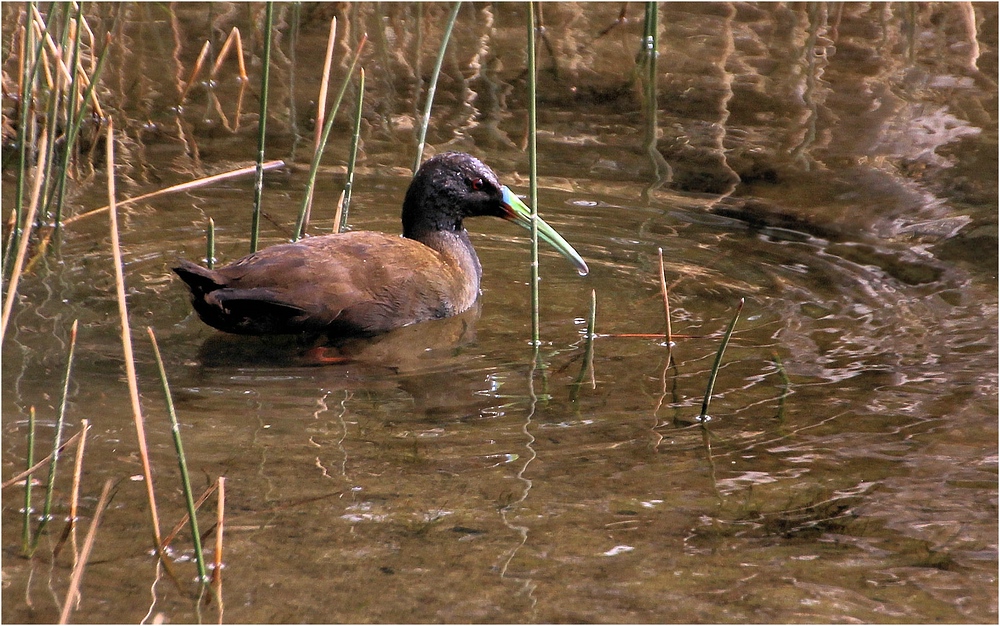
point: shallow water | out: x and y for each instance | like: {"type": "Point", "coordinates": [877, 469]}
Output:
{"type": "Point", "coordinates": [833, 165]}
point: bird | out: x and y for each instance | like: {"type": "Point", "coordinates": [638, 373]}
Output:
{"type": "Point", "coordinates": [363, 283]}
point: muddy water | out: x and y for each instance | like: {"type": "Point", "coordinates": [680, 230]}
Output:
{"type": "Point", "coordinates": [833, 165]}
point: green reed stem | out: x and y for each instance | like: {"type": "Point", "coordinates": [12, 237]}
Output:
{"type": "Point", "coordinates": [71, 115]}
{"type": "Point", "coordinates": [425, 118]}
{"type": "Point", "coordinates": [703, 417]}
{"type": "Point", "coordinates": [181, 462]}
{"type": "Point", "coordinates": [210, 244]}
{"type": "Point", "coordinates": [265, 80]}
{"type": "Point", "coordinates": [352, 160]}
{"type": "Point", "coordinates": [26, 528]}
{"type": "Point", "coordinates": [27, 96]}
{"type": "Point", "coordinates": [314, 166]}
{"type": "Point", "coordinates": [533, 175]}
{"type": "Point", "coordinates": [57, 440]}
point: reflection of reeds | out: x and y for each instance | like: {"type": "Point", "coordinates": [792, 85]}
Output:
{"type": "Point", "coordinates": [425, 118]}
{"type": "Point", "coordinates": [588, 351]}
{"type": "Point", "coordinates": [181, 461]}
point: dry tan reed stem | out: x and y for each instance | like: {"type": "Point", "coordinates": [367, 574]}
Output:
{"type": "Point", "coordinates": [666, 298]}
{"type": "Point", "coordinates": [37, 466]}
{"type": "Point", "coordinates": [234, 36]}
{"type": "Point", "coordinates": [88, 546]}
{"type": "Point", "coordinates": [184, 520]}
{"type": "Point", "coordinates": [74, 498]}
{"type": "Point", "coordinates": [133, 385]}
{"type": "Point", "coordinates": [193, 184]}
{"type": "Point", "coordinates": [22, 246]}
{"type": "Point", "coordinates": [324, 84]}
{"type": "Point", "coordinates": [339, 212]}
{"type": "Point", "coordinates": [219, 527]}
{"type": "Point", "coordinates": [197, 68]}
{"type": "Point", "coordinates": [64, 70]}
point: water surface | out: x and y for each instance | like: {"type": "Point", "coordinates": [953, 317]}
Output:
{"type": "Point", "coordinates": [833, 165]}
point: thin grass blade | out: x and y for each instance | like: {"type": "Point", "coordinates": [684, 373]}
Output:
{"type": "Point", "coordinates": [703, 417]}
{"type": "Point", "coordinates": [425, 118]}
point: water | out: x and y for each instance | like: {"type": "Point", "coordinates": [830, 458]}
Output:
{"type": "Point", "coordinates": [833, 165]}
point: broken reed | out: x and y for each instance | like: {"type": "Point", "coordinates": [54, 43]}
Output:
{"type": "Point", "coordinates": [425, 117]}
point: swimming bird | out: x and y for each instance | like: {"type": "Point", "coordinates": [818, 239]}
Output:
{"type": "Point", "coordinates": [365, 282]}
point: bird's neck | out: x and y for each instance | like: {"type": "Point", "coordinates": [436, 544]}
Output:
{"type": "Point", "coordinates": [456, 249]}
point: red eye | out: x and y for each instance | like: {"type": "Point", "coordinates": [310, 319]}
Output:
{"type": "Point", "coordinates": [476, 184]}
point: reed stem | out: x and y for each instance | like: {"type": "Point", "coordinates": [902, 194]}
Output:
{"type": "Point", "coordinates": [318, 154]}
{"type": "Point", "coordinates": [38, 465]}
{"type": "Point", "coordinates": [533, 176]}
{"type": "Point", "coordinates": [425, 118]}
{"type": "Point", "coordinates": [126, 330]}
{"type": "Point", "coordinates": [265, 78]}
{"type": "Point", "coordinates": [22, 246]}
{"type": "Point", "coordinates": [74, 498]}
{"type": "Point", "coordinates": [220, 524]}
{"type": "Point", "coordinates": [210, 244]}
{"type": "Point", "coordinates": [666, 299]}
{"type": "Point", "coordinates": [175, 429]}
{"type": "Point", "coordinates": [26, 528]}
{"type": "Point", "coordinates": [352, 160]}
{"type": "Point", "coordinates": [88, 546]}
{"type": "Point", "coordinates": [703, 417]}
{"type": "Point", "coordinates": [57, 440]}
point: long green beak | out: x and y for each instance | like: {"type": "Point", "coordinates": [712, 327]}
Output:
{"type": "Point", "coordinates": [520, 214]}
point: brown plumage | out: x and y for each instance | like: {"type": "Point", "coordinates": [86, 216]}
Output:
{"type": "Point", "coordinates": [366, 282]}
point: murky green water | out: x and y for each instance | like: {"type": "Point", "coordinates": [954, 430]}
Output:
{"type": "Point", "coordinates": [834, 165]}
